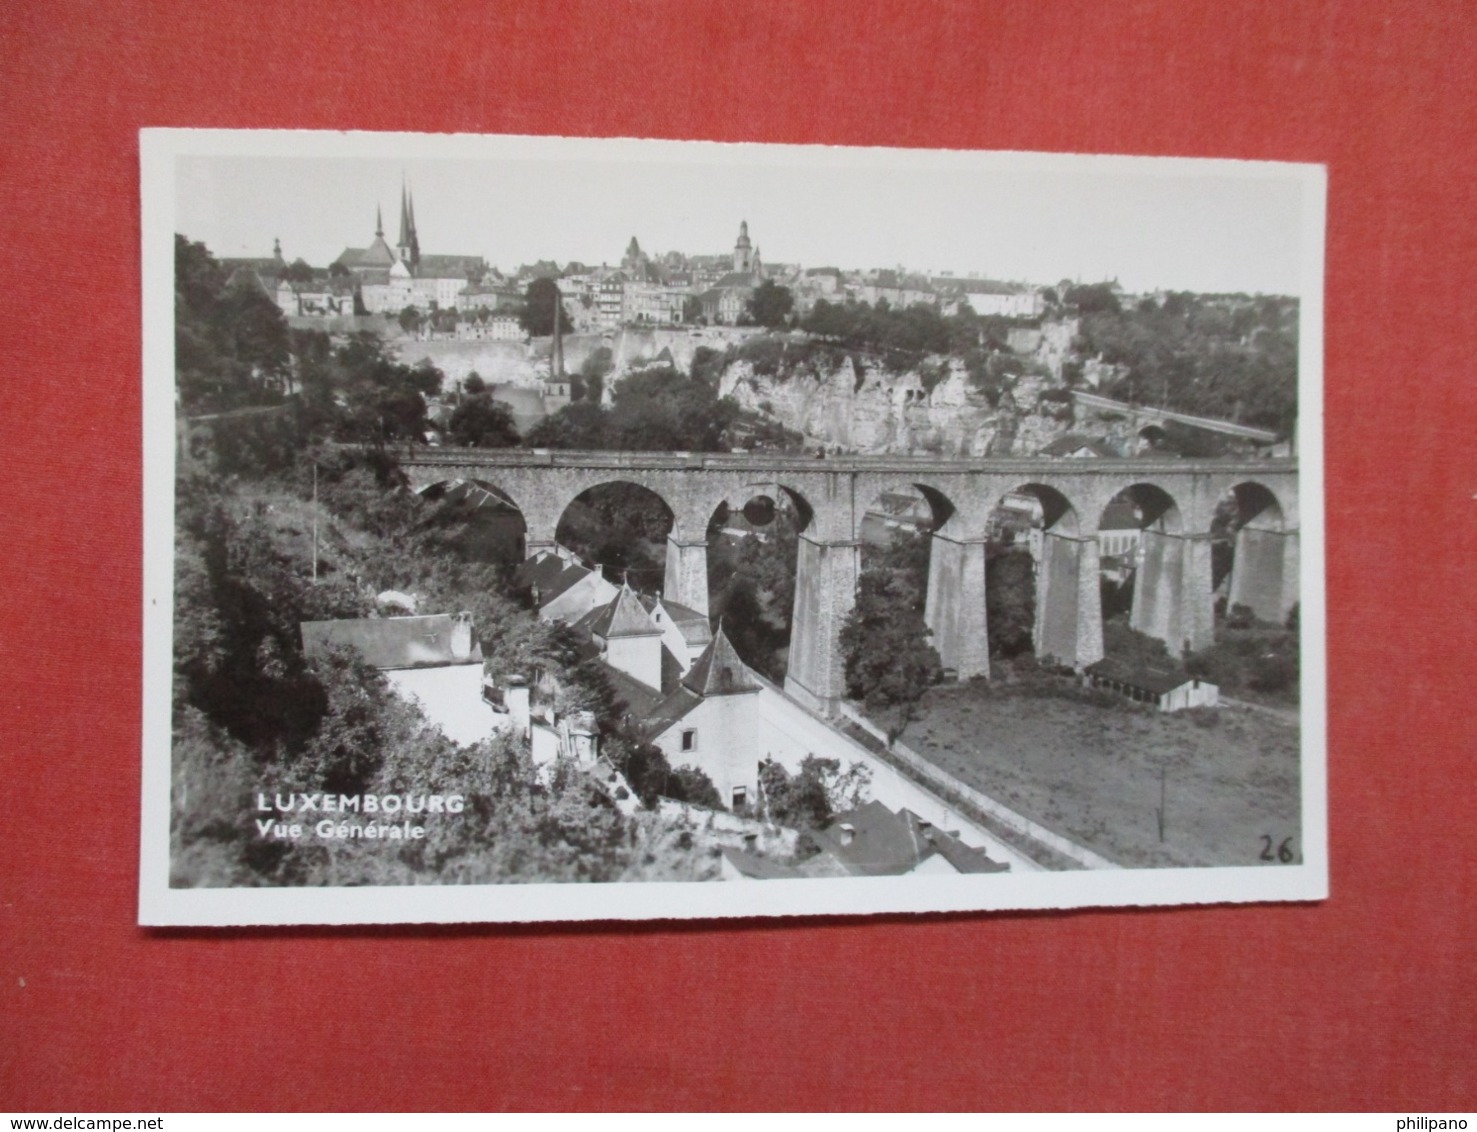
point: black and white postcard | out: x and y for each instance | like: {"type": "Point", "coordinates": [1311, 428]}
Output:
{"type": "Point", "coordinates": [551, 528]}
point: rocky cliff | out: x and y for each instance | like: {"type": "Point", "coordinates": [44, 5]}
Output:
{"type": "Point", "coordinates": [931, 409]}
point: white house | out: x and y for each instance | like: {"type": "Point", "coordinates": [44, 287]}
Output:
{"type": "Point", "coordinates": [433, 660]}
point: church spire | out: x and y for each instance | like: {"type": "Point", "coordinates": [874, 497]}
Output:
{"type": "Point", "coordinates": [379, 222]}
{"type": "Point", "coordinates": [409, 245]}
{"type": "Point", "coordinates": [403, 243]}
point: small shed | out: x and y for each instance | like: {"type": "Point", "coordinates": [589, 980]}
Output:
{"type": "Point", "coordinates": [1168, 689]}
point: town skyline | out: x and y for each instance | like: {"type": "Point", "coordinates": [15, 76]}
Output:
{"type": "Point", "coordinates": [1231, 228]}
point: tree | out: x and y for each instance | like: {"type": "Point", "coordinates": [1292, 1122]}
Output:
{"type": "Point", "coordinates": [660, 409]}
{"type": "Point", "coordinates": [298, 271]}
{"type": "Point", "coordinates": [539, 302]}
{"type": "Point", "coordinates": [383, 398]}
{"type": "Point", "coordinates": [692, 309]}
{"type": "Point", "coordinates": [1093, 298]}
{"type": "Point", "coordinates": [473, 383]}
{"type": "Point", "coordinates": [592, 373]}
{"type": "Point", "coordinates": [884, 643]}
{"type": "Point", "coordinates": [231, 340]}
{"type": "Point", "coordinates": [814, 794]}
{"type": "Point", "coordinates": [580, 425]}
{"type": "Point", "coordinates": [411, 320]}
{"type": "Point", "coordinates": [770, 305]}
{"type": "Point", "coordinates": [1010, 601]}
{"type": "Point", "coordinates": [481, 422]}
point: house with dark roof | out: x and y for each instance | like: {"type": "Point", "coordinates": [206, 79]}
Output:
{"type": "Point", "coordinates": [870, 841]}
{"type": "Point", "coordinates": [561, 587]}
{"type": "Point", "coordinates": [434, 660]}
{"type": "Point", "coordinates": [1169, 688]}
{"type": "Point", "coordinates": [710, 721]}
{"type": "Point", "coordinates": [685, 632]}
{"type": "Point", "coordinates": [628, 640]}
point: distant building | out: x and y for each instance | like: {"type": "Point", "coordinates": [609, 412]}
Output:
{"type": "Point", "coordinates": [391, 279]}
{"type": "Point", "coordinates": [989, 297]}
{"type": "Point", "coordinates": [1119, 529]}
{"type": "Point", "coordinates": [728, 297]}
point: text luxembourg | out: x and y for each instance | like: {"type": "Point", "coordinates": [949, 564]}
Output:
{"type": "Point", "coordinates": [387, 804]}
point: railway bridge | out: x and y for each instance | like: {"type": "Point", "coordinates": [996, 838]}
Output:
{"type": "Point", "coordinates": [1176, 498]}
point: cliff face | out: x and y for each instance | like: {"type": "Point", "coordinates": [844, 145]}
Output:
{"type": "Point", "coordinates": [874, 411]}
{"type": "Point", "coordinates": [526, 363]}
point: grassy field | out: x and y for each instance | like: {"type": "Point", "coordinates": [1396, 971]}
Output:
{"type": "Point", "coordinates": [1092, 772]}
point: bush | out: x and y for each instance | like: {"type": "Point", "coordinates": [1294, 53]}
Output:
{"type": "Point", "coordinates": [1272, 673]}
{"type": "Point", "coordinates": [1240, 617]}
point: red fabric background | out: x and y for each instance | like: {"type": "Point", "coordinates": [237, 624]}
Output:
{"type": "Point", "coordinates": [1368, 1000]}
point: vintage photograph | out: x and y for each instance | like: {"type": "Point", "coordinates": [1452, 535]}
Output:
{"type": "Point", "coordinates": [523, 542]}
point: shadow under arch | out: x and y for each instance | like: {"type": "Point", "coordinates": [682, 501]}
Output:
{"type": "Point", "coordinates": [1153, 508]}
{"type": "Point", "coordinates": [484, 523]}
{"type": "Point", "coordinates": [907, 506]}
{"type": "Point", "coordinates": [752, 571]}
{"type": "Point", "coordinates": [1258, 505]}
{"type": "Point", "coordinates": [621, 525]}
{"type": "Point", "coordinates": [1038, 569]}
{"type": "Point", "coordinates": [1153, 571]}
{"type": "Point", "coordinates": [1261, 578]}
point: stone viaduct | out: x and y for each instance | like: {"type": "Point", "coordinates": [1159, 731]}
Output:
{"type": "Point", "coordinates": [1172, 595]}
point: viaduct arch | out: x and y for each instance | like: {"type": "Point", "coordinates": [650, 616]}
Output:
{"type": "Point", "coordinates": [1173, 592]}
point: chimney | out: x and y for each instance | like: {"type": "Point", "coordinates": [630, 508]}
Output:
{"type": "Point", "coordinates": [848, 833]}
{"type": "Point", "coordinates": [461, 636]}
{"type": "Point", "coordinates": [584, 738]}
{"type": "Point", "coordinates": [516, 697]}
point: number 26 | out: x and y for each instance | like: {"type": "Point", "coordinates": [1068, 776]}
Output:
{"type": "Point", "coordinates": [1283, 852]}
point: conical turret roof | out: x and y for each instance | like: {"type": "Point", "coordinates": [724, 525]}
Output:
{"type": "Point", "coordinates": [719, 671]}
{"type": "Point", "coordinates": [625, 617]}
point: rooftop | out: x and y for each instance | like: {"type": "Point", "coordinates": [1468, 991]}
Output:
{"type": "Point", "coordinates": [397, 642]}
{"type": "Point", "coordinates": [1157, 680]}
{"type": "Point", "coordinates": [623, 617]}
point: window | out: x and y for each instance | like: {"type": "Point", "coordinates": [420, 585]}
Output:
{"type": "Point", "coordinates": [740, 797]}
{"type": "Point", "coordinates": [689, 740]}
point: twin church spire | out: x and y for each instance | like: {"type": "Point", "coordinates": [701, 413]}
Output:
{"type": "Point", "coordinates": [409, 244]}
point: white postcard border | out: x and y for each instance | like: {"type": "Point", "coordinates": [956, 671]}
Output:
{"type": "Point", "coordinates": [160, 905]}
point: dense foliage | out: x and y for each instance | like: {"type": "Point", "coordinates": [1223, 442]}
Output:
{"type": "Point", "coordinates": [658, 409]}
{"type": "Point", "coordinates": [814, 794]}
{"type": "Point", "coordinates": [888, 659]}
{"type": "Point", "coordinates": [539, 304]}
{"type": "Point", "coordinates": [770, 304]}
{"type": "Point", "coordinates": [751, 586]}
{"type": "Point", "coordinates": [481, 422]}
{"type": "Point", "coordinates": [1010, 602]}
{"type": "Point", "coordinates": [230, 341]}
{"type": "Point", "coordinates": [1229, 357]}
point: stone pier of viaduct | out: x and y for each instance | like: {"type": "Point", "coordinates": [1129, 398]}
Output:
{"type": "Point", "coordinates": [1172, 595]}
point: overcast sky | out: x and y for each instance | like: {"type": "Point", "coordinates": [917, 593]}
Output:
{"type": "Point", "coordinates": [1199, 226]}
